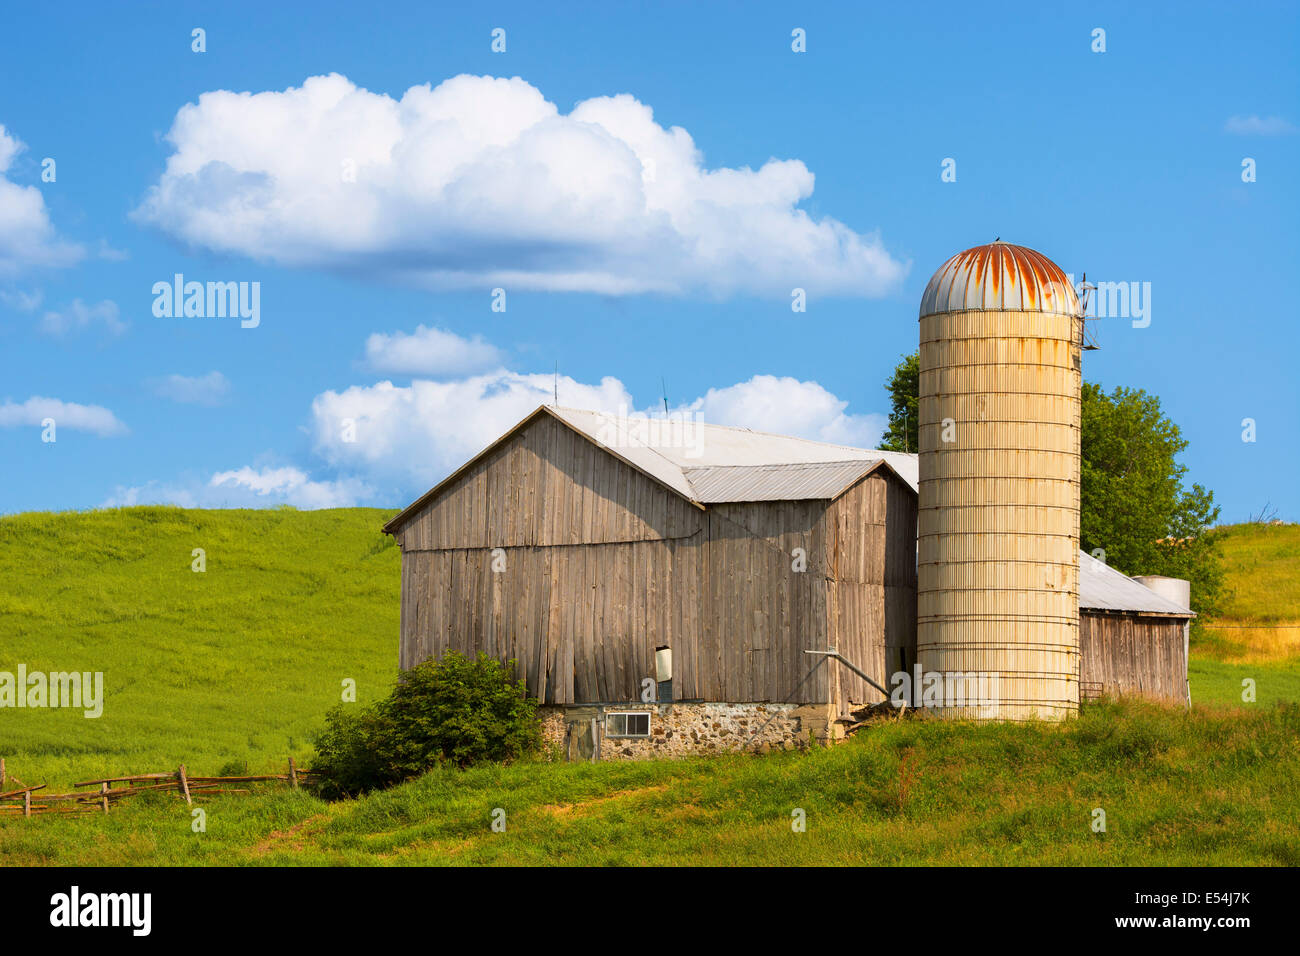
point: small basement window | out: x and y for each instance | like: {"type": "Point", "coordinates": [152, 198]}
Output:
{"type": "Point", "coordinates": [627, 725]}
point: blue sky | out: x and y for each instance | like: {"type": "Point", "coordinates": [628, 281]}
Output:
{"type": "Point", "coordinates": [1126, 164]}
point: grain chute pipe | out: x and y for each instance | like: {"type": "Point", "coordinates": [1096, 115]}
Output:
{"type": "Point", "coordinates": [837, 656]}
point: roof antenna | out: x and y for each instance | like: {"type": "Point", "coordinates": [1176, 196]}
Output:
{"type": "Point", "coordinates": [1087, 340]}
{"type": "Point", "coordinates": [557, 383]}
{"type": "Point", "coordinates": [664, 388]}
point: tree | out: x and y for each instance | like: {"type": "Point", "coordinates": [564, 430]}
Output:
{"type": "Point", "coordinates": [903, 388]}
{"type": "Point", "coordinates": [456, 711]}
{"type": "Point", "coordinates": [1133, 505]}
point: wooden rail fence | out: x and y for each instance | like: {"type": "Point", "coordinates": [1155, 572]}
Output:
{"type": "Point", "coordinates": [27, 801]}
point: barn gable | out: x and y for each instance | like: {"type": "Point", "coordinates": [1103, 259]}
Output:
{"type": "Point", "coordinates": [579, 560]}
{"type": "Point", "coordinates": [544, 483]}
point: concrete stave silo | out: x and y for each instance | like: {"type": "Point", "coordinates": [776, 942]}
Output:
{"type": "Point", "coordinates": [998, 526]}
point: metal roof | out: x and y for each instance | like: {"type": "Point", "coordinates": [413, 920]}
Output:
{"type": "Point", "coordinates": [722, 463]}
{"type": "Point", "coordinates": [666, 449]}
{"type": "Point", "coordinates": [1102, 588]}
{"type": "Point", "coordinates": [715, 484]}
{"type": "Point", "coordinates": [999, 277]}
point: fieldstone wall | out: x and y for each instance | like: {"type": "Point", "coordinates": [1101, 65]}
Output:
{"type": "Point", "coordinates": [678, 729]}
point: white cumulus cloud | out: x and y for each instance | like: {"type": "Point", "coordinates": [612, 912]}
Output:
{"type": "Point", "coordinates": [27, 237]}
{"type": "Point", "coordinates": [427, 351]}
{"type": "Point", "coordinates": [210, 389]}
{"type": "Point", "coordinates": [413, 436]}
{"type": "Point", "coordinates": [292, 486]}
{"type": "Point", "coordinates": [787, 406]}
{"type": "Point", "coordinates": [481, 181]}
{"type": "Point", "coordinates": [246, 487]}
{"type": "Point", "coordinates": [78, 317]}
{"type": "Point", "coordinates": [1259, 125]}
{"type": "Point", "coordinates": [90, 418]}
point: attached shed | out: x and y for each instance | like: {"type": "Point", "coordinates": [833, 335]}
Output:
{"type": "Point", "coordinates": [1132, 640]}
{"type": "Point", "coordinates": [583, 547]}
{"type": "Point", "coordinates": [659, 587]}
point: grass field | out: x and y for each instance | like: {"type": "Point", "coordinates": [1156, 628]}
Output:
{"type": "Point", "coordinates": [1213, 787]}
{"type": "Point", "coordinates": [239, 664]}
{"type": "Point", "coordinates": [1260, 622]}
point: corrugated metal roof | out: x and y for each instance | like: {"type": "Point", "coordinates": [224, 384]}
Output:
{"type": "Point", "coordinates": [1103, 588]}
{"type": "Point", "coordinates": [715, 484]}
{"type": "Point", "coordinates": [716, 463]}
{"type": "Point", "coordinates": [1000, 276]}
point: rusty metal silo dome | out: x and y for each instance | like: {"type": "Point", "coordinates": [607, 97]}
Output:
{"type": "Point", "coordinates": [998, 526]}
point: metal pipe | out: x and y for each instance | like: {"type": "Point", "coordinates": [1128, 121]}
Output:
{"type": "Point", "coordinates": [836, 654]}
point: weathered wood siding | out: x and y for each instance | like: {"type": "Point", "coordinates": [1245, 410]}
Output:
{"type": "Point", "coordinates": [871, 565]}
{"type": "Point", "coordinates": [603, 565]}
{"type": "Point", "coordinates": [759, 613]}
{"type": "Point", "coordinates": [600, 565]}
{"type": "Point", "coordinates": [1133, 654]}
{"type": "Point", "coordinates": [582, 622]}
{"type": "Point", "coordinates": [549, 485]}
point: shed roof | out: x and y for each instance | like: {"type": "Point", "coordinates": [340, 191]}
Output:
{"type": "Point", "coordinates": [1102, 588]}
{"type": "Point", "coordinates": [716, 484]}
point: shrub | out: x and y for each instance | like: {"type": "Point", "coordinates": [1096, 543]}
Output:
{"type": "Point", "coordinates": [233, 768]}
{"type": "Point", "coordinates": [454, 711]}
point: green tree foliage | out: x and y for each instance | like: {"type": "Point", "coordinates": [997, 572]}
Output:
{"type": "Point", "coordinates": [453, 711]}
{"type": "Point", "coordinates": [1133, 503]}
{"type": "Point", "coordinates": [903, 388]}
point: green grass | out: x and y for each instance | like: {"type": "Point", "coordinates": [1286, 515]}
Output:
{"type": "Point", "coordinates": [1210, 787]}
{"type": "Point", "coordinates": [1263, 572]}
{"type": "Point", "coordinates": [1260, 621]}
{"type": "Point", "coordinates": [241, 662]}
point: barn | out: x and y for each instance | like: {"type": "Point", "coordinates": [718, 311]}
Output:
{"type": "Point", "coordinates": [671, 586]}
{"type": "Point", "coordinates": [659, 583]}
{"type": "Point", "coordinates": [1132, 638]}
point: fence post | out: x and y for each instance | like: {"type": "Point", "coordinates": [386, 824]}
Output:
{"type": "Point", "coordinates": [27, 803]}
{"type": "Point", "coordinates": [2, 773]}
{"type": "Point", "coordinates": [185, 785]}
{"type": "Point", "coordinates": [293, 774]}
{"type": "Point", "coordinates": [103, 788]}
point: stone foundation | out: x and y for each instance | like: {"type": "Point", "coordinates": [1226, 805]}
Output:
{"type": "Point", "coordinates": [682, 729]}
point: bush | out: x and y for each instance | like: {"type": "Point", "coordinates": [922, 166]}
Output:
{"type": "Point", "coordinates": [454, 711]}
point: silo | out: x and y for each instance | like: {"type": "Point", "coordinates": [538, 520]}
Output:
{"type": "Point", "coordinates": [998, 525]}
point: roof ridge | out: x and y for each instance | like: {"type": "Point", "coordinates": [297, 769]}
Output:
{"type": "Point", "coordinates": [739, 428]}
{"type": "Point", "coordinates": [791, 464]}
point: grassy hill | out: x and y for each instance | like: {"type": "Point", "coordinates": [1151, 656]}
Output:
{"type": "Point", "coordinates": [240, 662]}
{"type": "Point", "coordinates": [1260, 622]}
{"type": "Point", "coordinates": [1209, 787]}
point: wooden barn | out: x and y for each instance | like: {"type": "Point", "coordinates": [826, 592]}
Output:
{"type": "Point", "coordinates": [632, 562]}
{"type": "Point", "coordinates": [1132, 640]}
{"type": "Point", "coordinates": [668, 587]}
